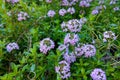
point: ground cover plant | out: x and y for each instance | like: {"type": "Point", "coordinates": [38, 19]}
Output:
{"type": "Point", "coordinates": [59, 40]}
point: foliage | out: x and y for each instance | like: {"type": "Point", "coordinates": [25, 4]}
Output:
{"type": "Point", "coordinates": [29, 63]}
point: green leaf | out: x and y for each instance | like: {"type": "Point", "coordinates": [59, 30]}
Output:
{"type": "Point", "coordinates": [32, 68]}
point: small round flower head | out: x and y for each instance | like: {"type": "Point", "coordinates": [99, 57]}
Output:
{"type": "Point", "coordinates": [73, 2]}
{"type": "Point", "coordinates": [69, 57]}
{"type": "Point", "coordinates": [64, 3]}
{"type": "Point", "coordinates": [73, 25]}
{"type": "Point", "coordinates": [98, 74]}
{"type": "Point", "coordinates": [62, 47]}
{"type": "Point", "coordinates": [71, 39]}
{"type": "Point", "coordinates": [46, 45]}
{"type": "Point", "coordinates": [63, 69]}
{"type": "Point", "coordinates": [108, 35]}
{"type": "Point", "coordinates": [88, 50]}
{"type": "Point", "coordinates": [83, 20]}
{"type": "Point", "coordinates": [12, 46]}
{"type": "Point", "coordinates": [62, 12]}
{"type": "Point", "coordinates": [78, 51]}
{"type": "Point", "coordinates": [51, 13]}
{"type": "Point", "coordinates": [12, 1]}
{"type": "Point", "coordinates": [22, 16]}
{"type": "Point", "coordinates": [84, 3]}
{"type": "Point", "coordinates": [95, 11]}
{"type": "Point", "coordinates": [116, 8]}
{"type": "Point", "coordinates": [113, 2]}
{"type": "Point", "coordinates": [48, 1]}
{"type": "Point", "coordinates": [71, 10]}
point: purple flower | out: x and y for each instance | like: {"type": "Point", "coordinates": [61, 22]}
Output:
{"type": "Point", "coordinates": [64, 3]}
{"type": "Point", "coordinates": [48, 1]}
{"type": "Point", "coordinates": [113, 2]}
{"type": "Point", "coordinates": [95, 11]}
{"type": "Point", "coordinates": [62, 12]}
{"type": "Point", "coordinates": [83, 20]}
{"type": "Point", "coordinates": [71, 10]}
{"type": "Point", "coordinates": [116, 8]}
{"type": "Point", "coordinates": [51, 13]}
{"type": "Point", "coordinates": [71, 39]}
{"type": "Point", "coordinates": [69, 57]}
{"type": "Point", "coordinates": [108, 35]}
{"type": "Point", "coordinates": [12, 1]}
{"type": "Point", "coordinates": [63, 69]}
{"type": "Point", "coordinates": [98, 74]}
{"type": "Point", "coordinates": [22, 16]}
{"type": "Point", "coordinates": [62, 47]}
{"type": "Point", "coordinates": [84, 3]}
{"type": "Point", "coordinates": [88, 50]}
{"type": "Point", "coordinates": [79, 51]}
{"type": "Point", "coordinates": [12, 46]}
{"type": "Point", "coordinates": [46, 45]}
{"type": "Point", "coordinates": [73, 2]}
{"type": "Point", "coordinates": [73, 25]}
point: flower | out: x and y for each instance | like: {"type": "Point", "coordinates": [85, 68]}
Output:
{"type": "Point", "coordinates": [108, 35]}
{"type": "Point", "coordinates": [78, 51]}
{"type": "Point", "coordinates": [116, 8]}
{"type": "Point", "coordinates": [51, 13]}
{"type": "Point", "coordinates": [71, 38]}
{"type": "Point", "coordinates": [85, 3]}
{"type": "Point", "coordinates": [71, 10]}
{"type": "Point", "coordinates": [95, 11]}
{"type": "Point", "coordinates": [46, 45]}
{"type": "Point", "coordinates": [64, 3]}
{"type": "Point", "coordinates": [88, 50]}
{"type": "Point", "coordinates": [12, 1]}
{"type": "Point", "coordinates": [12, 46]}
{"type": "Point", "coordinates": [48, 1]}
{"type": "Point", "coordinates": [63, 69]}
{"type": "Point", "coordinates": [62, 12]}
{"type": "Point", "coordinates": [113, 2]}
{"type": "Point", "coordinates": [62, 47]}
{"type": "Point", "coordinates": [69, 57]}
{"type": "Point", "coordinates": [98, 74]}
{"type": "Point", "coordinates": [22, 16]}
{"type": "Point", "coordinates": [83, 20]}
{"type": "Point", "coordinates": [73, 25]}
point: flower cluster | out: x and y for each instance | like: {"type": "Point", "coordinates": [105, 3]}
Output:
{"type": "Point", "coordinates": [85, 3]}
{"type": "Point", "coordinates": [63, 69]}
{"type": "Point", "coordinates": [69, 57]}
{"type": "Point", "coordinates": [98, 9]}
{"type": "Point", "coordinates": [12, 46]}
{"type": "Point", "coordinates": [12, 1]}
{"type": "Point", "coordinates": [113, 2]}
{"type": "Point", "coordinates": [46, 45]}
{"type": "Point", "coordinates": [48, 1]}
{"type": "Point", "coordinates": [63, 11]}
{"type": "Point", "coordinates": [22, 16]}
{"type": "Point", "coordinates": [71, 10]}
{"type": "Point", "coordinates": [68, 2]}
{"type": "Point", "coordinates": [71, 39]}
{"type": "Point", "coordinates": [88, 50]}
{"type": "Point", "coordinates": [62, 47]}
{"type": "Point", "coordinates": [51, 13]}
{"type": "Point", "coordinates": [98, 74]}
{"type": "Point", "coordinates": [116, 8]}
{"type": "Point", "coordinates": [108, 35]}
{"type": "Point", "coordinates": [72, 26]}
